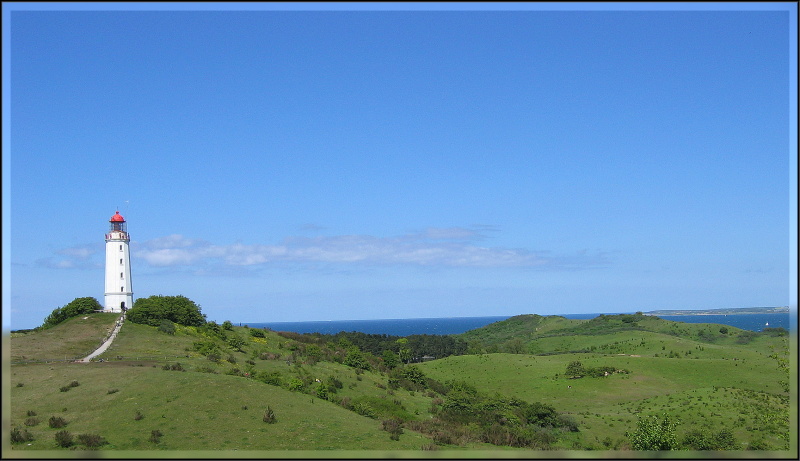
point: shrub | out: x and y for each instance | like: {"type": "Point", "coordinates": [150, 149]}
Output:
{"type": "Point", "coordinates": [57, 422]}
{"type": "Point", "coordinates": [113, 391]}
{"type": "Point", "coordinates": [231, 358]}
{"type": "Point", "coordinates": [31, 413]}
{"type": "Point", "coordinates": [20, 435]}
{"type": "Point", "coordinates": [227, 325]}
{"type": "Point", "coordinates": [393, 427]}
{"type": "Point", "coordinates": [206, 369]}
{"type": "Point", "coordinates": [138, 416]}
{"type": "Point", "coordinates": [20, 384]}
{"type": "Point", "coordinates": [257, 333]}
{"type": "Point", "coordinates": [654, 433]}
{"type": "Point", "coordinates": [78, 306]}
{"type": "Point", "coordinates": [167, 326]}
{"type": "Point", "coordinates": [64, 388]}
{"type": "Point", "coordinates": [269, 416]}
{"type": "Point", "coordinates": [91, 440]}
{"type": "Point", "coordinates": [64, 439]}
{"type": "Point", "coordinates": [177, 309]}
{"type": "Point", "coordinates": [74, 384]}
{"type": "Point", "coordinates": [32, 421]}
{"type": "Point", "coordinates": [155, 436]}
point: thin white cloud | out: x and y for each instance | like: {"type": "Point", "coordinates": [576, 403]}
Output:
{"type": "Point", "coordinates": [442, 247]}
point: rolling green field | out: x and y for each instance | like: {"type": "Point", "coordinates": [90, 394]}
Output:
{"type": "Point", "coordinates": [201, 393]}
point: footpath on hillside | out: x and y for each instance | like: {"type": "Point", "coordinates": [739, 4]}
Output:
{"type": "Point", "coordinates": [106, 343]}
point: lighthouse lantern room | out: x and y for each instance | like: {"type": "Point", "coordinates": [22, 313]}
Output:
{"type": "Point", "coordinates": [119, 291]}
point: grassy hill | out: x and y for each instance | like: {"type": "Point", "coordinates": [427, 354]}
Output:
{"type": "Point", "coordinates": [210, 388]}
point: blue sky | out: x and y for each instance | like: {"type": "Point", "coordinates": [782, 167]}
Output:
{"type": "Point", "coordinates": [283, 163]}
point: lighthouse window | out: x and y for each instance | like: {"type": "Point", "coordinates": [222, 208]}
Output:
{"type": "Point", "coordinates": [120, 248]}
{"type": "Point", "coordinates": [120, 275]}
{"type": "Point", "coordinates": [120, 261]}
{"type": "Point", "coordinates": [121, 288]}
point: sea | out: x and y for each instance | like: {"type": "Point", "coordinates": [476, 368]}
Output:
{"type": "Point", "coordinates": [458, 325]}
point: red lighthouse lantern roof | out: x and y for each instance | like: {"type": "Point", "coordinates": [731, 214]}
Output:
{"type": "Point", "coordinates": [117, 218]}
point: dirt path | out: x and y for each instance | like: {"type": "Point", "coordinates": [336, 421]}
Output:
{"type": "Point", "coordinates": [106, 343]}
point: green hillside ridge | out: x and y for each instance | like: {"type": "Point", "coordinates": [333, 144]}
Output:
{"type": "Point", "coordinates": [208, 388]}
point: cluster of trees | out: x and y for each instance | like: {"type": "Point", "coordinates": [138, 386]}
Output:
{"type": "Point", "coordinates": [575, 369]}
{"type": "Point", "coordinates": [157, 308]}
{"type": "Point", "coordinates": [413, 349]}
{"type": "Point", "coordinates": [78, 306]}
{"type": "Point", "coordinates": [658, 433]}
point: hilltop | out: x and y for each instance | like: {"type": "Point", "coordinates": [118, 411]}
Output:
{"type": "Point", "coordinates": [214, 387]}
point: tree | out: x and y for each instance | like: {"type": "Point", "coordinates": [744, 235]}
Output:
{"type": "Point", "coordinates": [77, 306]}
{"type": "Point", "coordinates": [654, 433]}
{"type": "Point", "coordinates": [390, 359]}
{"type": "Point", "coordinates": [575, 369]}
{"type": "Point", "coordinates": [178, 309]}
{"type": "Point", "coordinates": [405, 352]}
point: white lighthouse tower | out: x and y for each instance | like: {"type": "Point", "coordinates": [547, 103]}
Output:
{"type": "Point", "coordinates": [119, 291]}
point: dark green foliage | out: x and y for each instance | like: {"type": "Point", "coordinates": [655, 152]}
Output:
{"type": "Point", "coordinates": [113, 391]}
{"type": "Point", "coordinates": [64, 388]}
{"type": "Point", "coordinates": [91, 440]}
{"type": "Point", "coordinates": [237, 343]}
{"type": "Point", "coordinates": [154, 309]}
{"type": "Point", "coordinates": [701, 440]}
{"type": "Point", "coordinates": [256, 333]}
{"type": "Point", "coordinates": [269, 416]}
{"type": "Point", "coordinates": [723, 330]}
{"type": "Point", "coordinates": [173, 367]}
{"type": "Point", "coordinates": [74, 384]}
{"type": "Point", "coordinates": [32, 421]}
{"type": "Point", "coordinates": [167, 326]}
{"type": "Point", "coordinates": [745, 337]}
{"type": "Point", "coordinates": [31, 413]}
{"type": "Point", "coordinates": [575, 370]}
{"type": "Point", "coordinates": [155, 436]}
{"type": "Point", "coordinates": [272, 378]}
{"type": "Point", "coordinates": [206, 347]}
{"type": "Point", "coordinates": [138, 416]}
{"type": "Point", "coordinates": [355, 358]}
{"type": "Point", "coordinates": [227, 325]}
{"type": "Point", "coordinates": [64, 439]}
{"type": "Point", "coordinates": [20, 435]}
{"type": "Point", "coordinates": [654, 433]}
{"type": "Point", "coordinates": [393, 426]}
{"type": "Point", "coordinates": [390, 359]}
{"type": "Point", "coordinates": [78, 306]}
{"type": "Point", "coordinates": [57, 422]}
{"type": "Point", "coordinates": [779, 331]}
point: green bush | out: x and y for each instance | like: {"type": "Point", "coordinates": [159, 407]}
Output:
{"type": "Point", "coordinates": [57, 422]}
{"type": "Point", "coordinates": [32, 421]}
{"type": "Point", "coordinates": [167, 326]}
{"type": "Point", "coordinates": [257, 333]}
{"type": "Point", "coordinates": [269, 416]}
{"type": "Point", "coordinates": [91, 440]}
{"type": "Point", "coordinates": [177, 309]}
{"type": "Point", "coordinates": [64, 439]}
{"type": "Point", "coordinates": [155, 436]}
{"type": "Point", "coordinates": [78, 306]}
{"type": "Point", "coordinates": [654, 433]}
{"type": "Point", "coordinates": [20, 435]}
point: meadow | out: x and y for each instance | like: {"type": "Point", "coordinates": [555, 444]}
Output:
{"type": "Point", "coordinates": [200, 391]}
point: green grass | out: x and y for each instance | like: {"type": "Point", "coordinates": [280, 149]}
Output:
{"type": "Point", "coordinates": [705, 379]}
{"type": "Point", "coordinates": [75, 338]}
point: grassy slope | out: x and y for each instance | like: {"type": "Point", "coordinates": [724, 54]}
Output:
{"type": "Point", "coordinates": [75, 338]}
{"type": "Point", "coordinates": [196, 406]}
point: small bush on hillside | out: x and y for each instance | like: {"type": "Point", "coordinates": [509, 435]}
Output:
{"type": "Point", "coordinates": [91, 440]}
{"type": "Point", "coordinates": [231, 359]}
{"type": "Point", "coordinates": [269, 416]}
{"type": "Point", "coordinates": [20, 435]}
{"type": "Point", "coordinates": [177, 309]}
{"type": "Point", "coordinates": [257, 333]}
{"type": "Point", "coordinates": [78, 306]}
{"type": "Point", "coordinates": [64, 388]}
{"type": "Point", "coordinates": [138, 416]}
{"type": "Point", "coordinates": [31, 413]}
{"type": "Point", "coordinates": [56, 422]}
{"type": "Point", "coordinates": [64, 439]}
{"type": "Point", "coordinates": [393, 427]}
{"type": "Point", "coordinates": [74, 384]}
{"type": "Point", "coordinates": [167, 326]}
{"type": "Point", "coordinates": [227, 325]}
{"type": "Point", "coordinates": [155, 436]}
{"type": "Point", "coordinates": [20, 384]}
{"type": "Point", "coordinates": [113, 391]}
{"type": "Point", "coordinates": [216, 358]}
{"type": "Point", "coordinates": [32, 421]}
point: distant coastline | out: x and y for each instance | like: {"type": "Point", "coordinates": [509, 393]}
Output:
{"type": "Point", "coordinates": [731, 311]}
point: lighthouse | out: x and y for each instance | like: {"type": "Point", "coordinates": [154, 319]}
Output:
{"type": "Point", "coordinates": [119, 291]}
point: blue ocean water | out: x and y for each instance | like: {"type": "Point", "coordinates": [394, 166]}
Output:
{"type": "Point", "coordinates": [457, 325]}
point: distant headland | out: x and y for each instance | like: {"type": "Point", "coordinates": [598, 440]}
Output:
{"type": "Point", "coordinates": [731, 311]}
